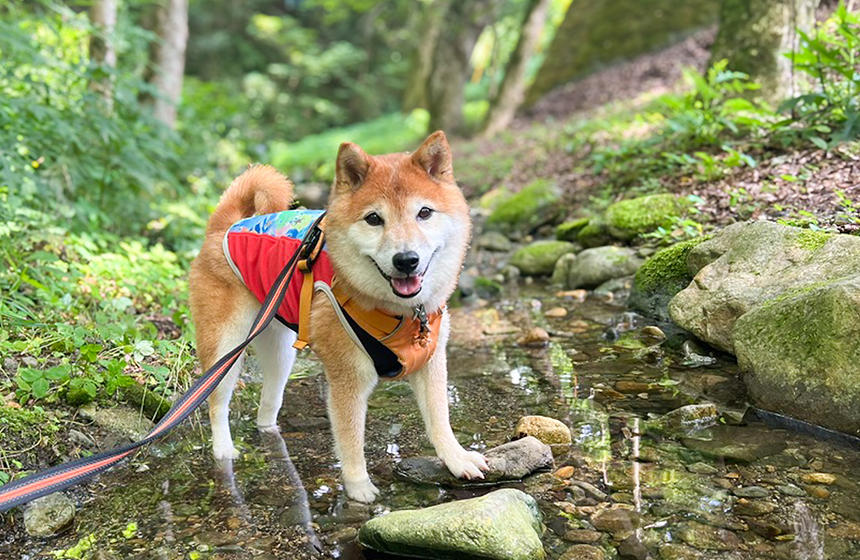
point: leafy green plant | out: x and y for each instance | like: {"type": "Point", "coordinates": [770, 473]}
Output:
{"type": "Point", "coordinates": [829, 57]}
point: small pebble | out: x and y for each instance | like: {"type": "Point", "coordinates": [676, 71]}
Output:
{"type": "Point", "coordinates": [564, 472]}
{"type": "Point", "coordinates": [815, 491]}
{"type": "Point", "coordinates": [556, 313]}
{"type": "Point", "coordinates": [653, 332]}
{"type": "Point", "coordinates": [791, 490]}
{"type": "Point", "coordinates": [577, 295]}
{"type": "Point", "coordinates": [535, 337]}
{"type": "Point", "coordinates": [819, 478]}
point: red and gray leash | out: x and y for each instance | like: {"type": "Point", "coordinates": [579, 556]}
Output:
{"type": "Point", "coordinates": [68, 474]}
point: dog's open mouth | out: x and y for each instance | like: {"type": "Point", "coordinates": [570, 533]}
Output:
{"type": "Point", "coordinates": [403, 286]}
{"type": "Point", "coordinates": [407, 286]}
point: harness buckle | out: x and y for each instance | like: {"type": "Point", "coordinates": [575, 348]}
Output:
{"type": "Point", "coordinates": [423, 336]}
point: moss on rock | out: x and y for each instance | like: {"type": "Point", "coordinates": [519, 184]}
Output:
{"type": "Point", "coordinates": [539, 258]}
{"type": "Point", "coordinates": [568, 231]}
{"type": "Point", "coordinates": [594, 234]}
{"type": "Point", "coordinates": [535, 205]}
{"type": "Point", "coordinates": [662, 276]}
{"type": "Point", "coordinates": [812, 240]}
{"type": "Point", "coordinates": [628, 218]}
{"type": "Point", "coordinates": [800, 353]}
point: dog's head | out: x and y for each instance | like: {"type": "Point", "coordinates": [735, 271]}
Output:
{"type": "Point", "coordinates": [398, 226]}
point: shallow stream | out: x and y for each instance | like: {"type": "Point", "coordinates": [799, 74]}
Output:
{"type": "Point", "coordinates": [599, 374]}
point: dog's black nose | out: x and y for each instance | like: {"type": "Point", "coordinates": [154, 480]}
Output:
{"type": "Point", "coordinates": [406, 262]}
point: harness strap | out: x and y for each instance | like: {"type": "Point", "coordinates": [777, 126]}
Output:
{"type": "Point", "coordinates": [306, 266]}
{"type": "Point", "coordinates": [68, 474]}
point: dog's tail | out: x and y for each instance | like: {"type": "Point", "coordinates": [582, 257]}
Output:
{"type": "Point", "coordinates": [259, 190]}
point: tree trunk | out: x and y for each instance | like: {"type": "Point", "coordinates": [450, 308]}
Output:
{"type": "Point", "coordinates": [450, 71]}
{"type": "Point", "coordinates": [429, 25]}
{"type": "Point", "coordinates": [102, 49]}
{"type": "Point", "coordinates": [513, 88]}
{"type": "Point", "coordinates": [754, 35]}
{"type": "Point", "coordinates": [167, 59]}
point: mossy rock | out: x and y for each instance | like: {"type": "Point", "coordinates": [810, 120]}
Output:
{"type": "Point", "coordinates": [747, 265]}
{"type": "Point", "coordinates": [594, 234]}
{"type": "Point", "coordinates": [502, 525]}
{"type": "Point", "coordinates": [539, 258]}
{"type": "Point", "coordinates": [800, 354]}
{"type": "Point", "coordinates": [568, 231]}
{"type": "Point", "coordinates": [537, 204]}
{"type": "Point", "coordinates": [592, 267]}
{"type": "Point", "coordinates": [628, 218]}
{"type": "Point", "coordinates": [662, 276]}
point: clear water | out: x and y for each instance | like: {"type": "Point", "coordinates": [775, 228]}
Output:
{"type": "Point", "coordinates": [282, 498]}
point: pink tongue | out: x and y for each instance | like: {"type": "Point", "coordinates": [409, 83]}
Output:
{"type": "Point", "coordinates": [406, 286]}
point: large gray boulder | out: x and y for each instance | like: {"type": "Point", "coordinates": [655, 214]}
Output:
{"type": "Point", "coordinates": [748, 264]}
{"type": "Point", "coordinates": [502, 525]}
{"type": "Point", "coordinates": [801, 353]}
{"type": "Point", "coordinates": [593, 267]}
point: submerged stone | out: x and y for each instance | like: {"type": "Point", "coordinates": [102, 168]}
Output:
{"type": "Point", "coordinates": [511, 461]}
{"type": "Point", "coordinates": [593, 267]}
{"type": "Point", "coordinates": [619, 522]}
{"type": "Point", "coordinates": [503, 525]}
{"type": "Point", "coordinates": [706, 537]}
{"type": "Point", "coordinates": [539, 258]}
{"type": "Point", "coordinates": [688, 419]}
{"type": "Point", "coordinates": [738, 444]}
{"type": "Point", "coordinates": [582, 552]}
{"type": "Point", "coordinates": [48, 515]}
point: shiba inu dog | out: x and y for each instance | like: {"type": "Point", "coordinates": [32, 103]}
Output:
{"type": "Point", "coordinates": [396, 232]}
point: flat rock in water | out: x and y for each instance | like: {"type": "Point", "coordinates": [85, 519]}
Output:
{"type": "Point", "coordinates": [688, 419]}
{"type": "Point", "coordinates": [503, 525]}
{"type": "Point", "coordinates": [738, 444]}
{"type": "Point", "coordinates": [48, 515]}
{"type": "Point", "coordinates": [511, 461]}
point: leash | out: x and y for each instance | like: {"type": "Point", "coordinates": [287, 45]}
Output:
{"type": "Point", "coordinates": [68, 474]}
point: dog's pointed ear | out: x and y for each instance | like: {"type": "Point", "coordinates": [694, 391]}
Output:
{"type": "Point", "coordinates": [352, 166]}
{"type": "Point", "coordinates": [434, 156]}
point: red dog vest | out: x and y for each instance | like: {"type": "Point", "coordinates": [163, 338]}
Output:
{"type": "Point", "coordinates": [258, 248]}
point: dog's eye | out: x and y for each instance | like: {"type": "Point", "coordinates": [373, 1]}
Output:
{"type": "Point", "coordinates": [425, 213]}
{"type": "Point", "coordinates": [374, 219]}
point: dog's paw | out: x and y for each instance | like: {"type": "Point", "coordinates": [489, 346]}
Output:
{"type": "Point", "coordinates": [470, 465]}
{"type": "Point", "coordinates": [223, 452]}
{"type": "Point", "coordinates": [361, 491]}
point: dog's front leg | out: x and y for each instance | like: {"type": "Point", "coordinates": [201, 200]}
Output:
{"type": "Point", "coordinates": [430, 385]}
{"type": "Point", "coordinates": [348, 392]}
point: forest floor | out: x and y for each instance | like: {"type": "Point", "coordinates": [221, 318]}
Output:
{"type": "Point", "coordinates": [595, 139]}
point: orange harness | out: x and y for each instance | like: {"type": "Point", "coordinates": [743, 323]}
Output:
{"type": "Point", "coordinates": [412, 341]}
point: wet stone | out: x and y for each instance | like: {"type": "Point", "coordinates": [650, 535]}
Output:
{"type": "Point", "coordinates": [125, 421]}
{"type": "Point", "coordinates": [753, 508]}
{"type": "Point", "coordinates": [535, 337]}
{"type": "Point", "coordinates": [672, 551]}
{"type": "Point", "coordinates": [590, 490]}
{"type": "Point", "coordinates": [702, 468]}
{"type": "Point", "coordinates": [751, 492]}
{"type": "Point", "coordinates": [619, 522]}
{"type": "Point", "coordinates": [817, 491]}
{"type": "Point", "coordinates": [632, 548]}
{"type": "Point", "coordinates": [548, 430]}
{"type": "Point", "coordinates": [769, 528]}
{"type": "Point", "coordinates": [586, 536]}
{"type": "Point", "coordinates": [791, 490]}
{"type": "Point", "coordinates": [502, 525]}
{"type": "Point", "coordinates": [582, 552]}
{"type": "Point", "coordinates": [819, 478]}
{"type": "Point", "coordinates": [704, 537]}
{"type": "Point", "coordinates": [48, 515]}
{"type": "Point", "coordinates": [689, 418]}
{"type": "Point", "coordinates": [493, 241]}
{"type": "Point", "coordinates": [511, 461]}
